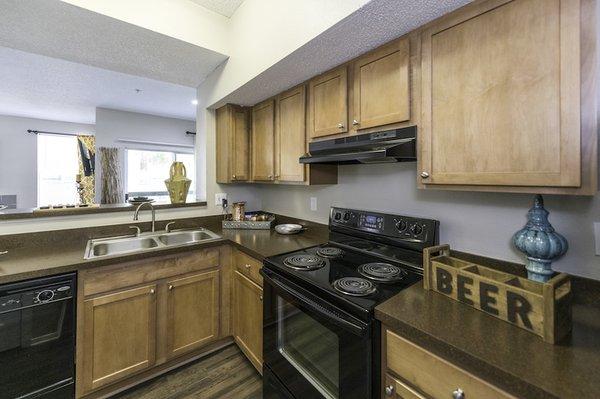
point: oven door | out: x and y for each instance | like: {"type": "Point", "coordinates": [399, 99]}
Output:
{"type": "Point", "coordinates": [314, 349]}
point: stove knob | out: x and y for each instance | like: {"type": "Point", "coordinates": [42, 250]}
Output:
{"type": "Point", "coordinates": [337, 216]}
{"type": "Point", "coordinates": [401, 225]}
{"type": "Point", "coordinates": [347, 216]}
{"type": "Point", "coordinates": [416, 229]}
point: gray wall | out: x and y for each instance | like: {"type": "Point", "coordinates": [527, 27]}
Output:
{"type": "Point", "coordinates": [481, 223]}
{"type": "Point", "coordinates": [18, 154]}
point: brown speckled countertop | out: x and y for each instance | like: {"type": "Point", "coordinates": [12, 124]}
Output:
{"type": "Point", "coordinates": [42, 254]}
{"type": "Point", "coordinates": [509, 357]}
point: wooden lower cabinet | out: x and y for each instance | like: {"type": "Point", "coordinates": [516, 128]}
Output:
{"type": "Point", "coordinates": [413, 372]}
{"type": "Point", "coordinates": [192, 312]}
{"type": "Point", "coordinates": [247, 318]}
{"type": "Point", "coordinates": [140, 318]}
{"type": "Point", "coordinates": [119, 335]}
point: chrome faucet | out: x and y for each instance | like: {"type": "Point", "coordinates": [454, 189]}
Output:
{"type": "Point", "coordinates": [137, 213]}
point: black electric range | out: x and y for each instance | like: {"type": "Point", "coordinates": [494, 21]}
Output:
{"type": "Point", "coordinates": [321, 339]}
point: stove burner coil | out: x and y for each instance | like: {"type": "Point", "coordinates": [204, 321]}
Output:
{"type": "Point", "coordinates": [330, 252]}
{"type": "Point", "coordinates": [304, 262]}
{"type": "Point", "coordinates": [354, 286]}
{"type": "Point", "coordinates": [382, 272]}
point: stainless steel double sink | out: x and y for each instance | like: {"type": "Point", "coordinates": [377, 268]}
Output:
{"type": "Point", "coordinates": [115, 246]}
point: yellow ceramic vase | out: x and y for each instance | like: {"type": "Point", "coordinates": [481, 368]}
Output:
{"type": "Point", "coordinates": [178, 184]}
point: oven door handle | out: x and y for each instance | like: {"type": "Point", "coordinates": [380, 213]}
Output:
{"type": "Point", "coordinates": [344, 321]}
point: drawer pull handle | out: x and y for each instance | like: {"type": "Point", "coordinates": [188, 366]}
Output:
{"type": "Point", "coordinates": [248, 267]}
{"type": "Point", "coordinates": [389, 390]}
{"type": "Point", "coordinates": [458, 394]}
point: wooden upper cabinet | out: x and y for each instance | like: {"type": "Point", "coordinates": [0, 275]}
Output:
{"type": "Point", "coordinates": [233, 144]}
{"type": "Point", "coordinates": [263, 141]}
{"type": "Point", "coordinates": [119, 337]}
{"type": "Point", "coordinates": [328, 103]}
{"type": "Point", "coordinates": [247, 316]}
{"type": "Point", "coordinates": [291, 135]}
{"type": "Point", "coordinates": [501, 90]}
{"type": "Point", "coordinates": [192, 312]}
{"type": "Point", "coordinates": [382, 86]}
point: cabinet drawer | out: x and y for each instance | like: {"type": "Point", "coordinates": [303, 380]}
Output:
{"type": "Point", "coordinates": [433, 375]}
{"type": "Point", "coordinates": [397, 389]}
{"type": "Point", "coordinates": [249, 267]}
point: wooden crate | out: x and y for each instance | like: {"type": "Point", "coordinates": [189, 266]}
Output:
{"type": "Point", "coordinates": [541, 308]}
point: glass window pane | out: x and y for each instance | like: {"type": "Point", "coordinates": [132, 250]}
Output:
{"type": "Point", "coordinates": [310, 347]}
{"type": "Point", "coordinates": [148, 170]}
{"type": "Point", "coordinates": [58, 165]}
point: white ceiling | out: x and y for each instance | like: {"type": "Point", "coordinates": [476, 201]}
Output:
{"type": "Point", "coordinates": [223, 7]}
{"type": "Point", "coordinates": [42, 87]}
{"type": "Point", "coordinates": [60, 30]}
{"type": "Point", "coordinates": [376, 23]}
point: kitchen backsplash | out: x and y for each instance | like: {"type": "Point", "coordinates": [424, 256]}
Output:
{"type": "Point", "coordinates": [481, 223]}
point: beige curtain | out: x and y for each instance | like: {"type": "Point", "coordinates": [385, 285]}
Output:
{"type": "Point", "coordinates": [112, 176]}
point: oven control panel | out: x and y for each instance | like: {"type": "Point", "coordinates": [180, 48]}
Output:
{"type": "Point", "coordinates": [399, 228]}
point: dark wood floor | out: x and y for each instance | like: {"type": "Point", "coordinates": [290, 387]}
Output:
{"type": "Point", "coordinates": [224, 374]}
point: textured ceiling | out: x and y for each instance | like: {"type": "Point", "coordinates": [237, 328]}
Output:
{"type": "Point", "coordinates": [223, 7]}
{"type": "Point", "coordinates": [41, 87]}
{"type": "Point", "coordinates": [60, 30]}
{"type": "Point", "coordinates": [376, 23]}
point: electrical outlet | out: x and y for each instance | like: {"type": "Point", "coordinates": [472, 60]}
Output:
{"type": "Point", "coordinates": [313, 204]}
{"type": "Point", "coordinates": [597, 237]}
{"type": "Point", "coordinates": [219, 197]}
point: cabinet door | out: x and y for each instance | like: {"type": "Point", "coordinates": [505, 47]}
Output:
{"type": "Point", "coordinates": [263, 141]}
{"type": "Point", "coordinates": [240, 159]}
{"type": "Point", "coordinates": [193, 312]}
{"type": "Point", "coordinates": [291, 135]}
{"type": "Point", "coordinates": [501, 95]}
{"type": "Point", "coordinates": [382, 86]}
{"type": "Point", "coordinates": [119, 335]}
{"type": "Point", "coordinates": [233, 144]}
{"type": "Point", "coordinates": [328, 103]}
{"type": "Point", "coordinates": [248, 318]}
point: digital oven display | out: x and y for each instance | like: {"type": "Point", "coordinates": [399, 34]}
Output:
{"type": "Point", "coordinates": [372, 222]}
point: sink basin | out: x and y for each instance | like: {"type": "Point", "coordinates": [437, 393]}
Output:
{"type": "Point", "coordinates": [115, 246]}
{"type": "Point", "coordinates": [186, 237]}
{"type": "Point", "coordinates": [123, 246]}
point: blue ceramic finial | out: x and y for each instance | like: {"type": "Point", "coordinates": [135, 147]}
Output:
{"type": "Point", "coordinates": [539, 242]}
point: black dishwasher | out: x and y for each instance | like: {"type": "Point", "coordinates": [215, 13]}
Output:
{"type": "Point", "coordinates": [37, 338]}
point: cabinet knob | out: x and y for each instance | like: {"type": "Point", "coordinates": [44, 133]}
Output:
{"type": "Point", "coordinates": [340, 125]}
{"type": "Point", "coordinates": [277, 176]}
{"type": "Point", "coordinates": [389, 390]}
{"type": "Point", "coordinates": [270, 177]}
{"type": "Point", "coordinates": [152, 291]}
{"type": "Point", "coordinates": [355, 122]}
{"type": "Point", "coordinates": [248, 267]}
{"type": "Point", "coordinates": [233, 177]}
{"type": "Point", "coordinates": [170, 287]}
{"type": "Point", "coordinates": [458, 394]}
{"type": "Point", "coordinates": [424, 175]}
{"type": "Point", "coordinates": [261, 298]}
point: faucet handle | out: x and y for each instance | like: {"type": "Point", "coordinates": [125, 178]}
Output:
{"type": "Point", "coordinates": [168, 227]}
{"type": "Point", "coordinates": [138, 231]}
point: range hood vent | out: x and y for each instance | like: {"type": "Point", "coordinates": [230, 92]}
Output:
{"type": "Point", "coordinates": [397, 145]}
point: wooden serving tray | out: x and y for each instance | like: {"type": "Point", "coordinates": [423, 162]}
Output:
{"type": "Point", "coordinates": [541, 308]}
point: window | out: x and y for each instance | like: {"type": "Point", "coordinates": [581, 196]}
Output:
{"type": "Point", "coordinates": [148, 170]}
{"type": "Point", "coordinates": [57, 168]}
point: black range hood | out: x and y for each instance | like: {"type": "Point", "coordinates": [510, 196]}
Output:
{"type": "Point", "coordinates": [397, 145]}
